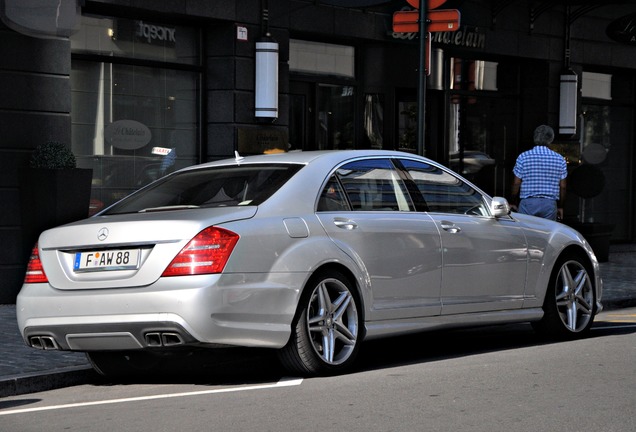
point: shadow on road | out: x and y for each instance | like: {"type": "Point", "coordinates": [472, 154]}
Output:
{"type": "Point", "coordinates": [250, 366]}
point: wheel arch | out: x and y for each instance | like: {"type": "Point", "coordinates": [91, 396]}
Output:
{"type": "Point", "coordinates": [591, 263]}
{"type": "Point", "coordinates": [303, 352]}
{"type": "Point", "coordinates": [353, 280]}
{"type": "Point", "coordinates": [568, 304]}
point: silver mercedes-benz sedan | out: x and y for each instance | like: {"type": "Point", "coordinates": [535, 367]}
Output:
{"type": "Point", "coordinates": [309, 253]}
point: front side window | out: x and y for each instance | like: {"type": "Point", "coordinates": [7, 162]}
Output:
{"type": "Point", "coordinates": [444, 192]}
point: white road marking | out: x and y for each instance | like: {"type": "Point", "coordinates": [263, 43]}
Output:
{"type": "Point", "coordinates": [284, 382]}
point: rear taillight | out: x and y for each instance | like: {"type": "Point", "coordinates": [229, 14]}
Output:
{"type": "Point", "coordinates": [206, 253]}
{"type": "Point", "coordinates": [35, 271]}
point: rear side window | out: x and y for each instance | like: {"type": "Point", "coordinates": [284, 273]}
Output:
{"type": "Point", "coordinates": [444, 192]}
{"type": "Point", "coordinates": [209, 187]}
{"type": "Point", "coordinates": [333, 197]}
{"type": "Point", "coordinates": [369, 185]}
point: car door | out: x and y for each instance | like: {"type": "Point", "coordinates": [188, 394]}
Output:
{"type": "Point", "coordinates": [366, 210]}
{"type": "Point", "coordinates": [484, 258]}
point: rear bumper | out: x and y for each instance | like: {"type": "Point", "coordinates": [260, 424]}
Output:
{"type": "Point", "coordinates": [252, 310]}
{"type": "Point", "coordinates": [106, 337]}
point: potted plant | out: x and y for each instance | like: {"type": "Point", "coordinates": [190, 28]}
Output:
{"type": "Point", "coordinates": [53, 191]}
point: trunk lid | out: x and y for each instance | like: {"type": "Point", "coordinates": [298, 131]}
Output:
{"type": "Point", "coordinates": [124, 250]}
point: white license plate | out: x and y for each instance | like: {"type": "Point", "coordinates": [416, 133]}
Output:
{"type": "Point", "coordinates": [124, 259]}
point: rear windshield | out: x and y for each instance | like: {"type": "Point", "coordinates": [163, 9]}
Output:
{"type": "Point", "coordinates": [208, 187]}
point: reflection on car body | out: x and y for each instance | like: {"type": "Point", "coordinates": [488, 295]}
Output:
{"type": "Point", "coordinates": [310, 253]}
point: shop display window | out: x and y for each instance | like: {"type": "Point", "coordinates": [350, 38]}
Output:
{"type": "Point", "coordinates": [132, 122]}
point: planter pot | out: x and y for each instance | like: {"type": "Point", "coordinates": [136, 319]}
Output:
{"type": "Point", "coordinates": [597, 235]}
{"type": "Point", "coordinates": [52, 197]}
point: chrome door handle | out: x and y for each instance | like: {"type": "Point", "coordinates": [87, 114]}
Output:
{"type": "Point", "coordinates": [451, 227]}
{"type": "Point", "coordinates": [343, 223]}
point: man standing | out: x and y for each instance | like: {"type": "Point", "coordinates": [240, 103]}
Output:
{"type": "Point", "coordinates": [540, 176]}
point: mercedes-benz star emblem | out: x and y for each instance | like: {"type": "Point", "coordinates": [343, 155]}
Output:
{"type": "Point", "coordinates": [102, 234]}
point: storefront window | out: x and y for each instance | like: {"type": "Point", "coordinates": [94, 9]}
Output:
{"type": "Point", "coordinates": [374, 120]}
{"type": "Point", "coordinates": [322, 104]}
{"type": "Point", "coordinates": [335, 117]}
{"type": "Point", "coordinates": [482, 121]}
{"type": "Point", "coordinates": [407, 125]}
{"type": "Point", "coordinates": [603, 193]}
{"type": "Point", "coordinates": [132, 123]}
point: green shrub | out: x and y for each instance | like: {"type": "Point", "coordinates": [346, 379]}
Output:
{"type": "Point", "coordinates": [53, 155]}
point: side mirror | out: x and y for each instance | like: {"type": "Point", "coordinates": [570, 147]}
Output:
{"type": "Point", "coordinates": [499, 207]}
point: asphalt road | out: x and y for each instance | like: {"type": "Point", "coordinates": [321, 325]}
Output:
{"type": "Point", "coordinates": [489, 379]}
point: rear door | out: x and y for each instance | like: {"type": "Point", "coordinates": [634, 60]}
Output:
{"type": "Point", "coordinates": [365, 209]}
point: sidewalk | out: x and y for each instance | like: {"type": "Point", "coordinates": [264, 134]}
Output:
{"type": "Point", "coordinates": [26, 370]}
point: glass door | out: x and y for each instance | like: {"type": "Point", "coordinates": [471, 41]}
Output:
{"type": "Point", "coordinates": [321, 116]}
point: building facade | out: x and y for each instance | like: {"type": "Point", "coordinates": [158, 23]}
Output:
{"type": "Point", "coordinates": [138, 89]}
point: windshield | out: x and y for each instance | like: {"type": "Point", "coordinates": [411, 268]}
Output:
{"type": "Point", "coordinates": [208, 187]}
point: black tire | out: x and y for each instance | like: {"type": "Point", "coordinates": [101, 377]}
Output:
{"type": "Point", "coordinates": [570, 300]}
{"type": "Point", "coordinates": [326, 333]}
{"type": "Point", "coordinates": [120, 364]}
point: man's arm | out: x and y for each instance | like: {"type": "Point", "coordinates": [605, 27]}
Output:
{"type": "Point", "coordinates": [562, 189]}
{"type": "Point", "coordinates": [514, 194]}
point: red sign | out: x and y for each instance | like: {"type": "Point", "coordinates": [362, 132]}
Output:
{"type": "Point", "coordinates": [442, 20]}
{"type": "Point", "coordinates": [406, 22]}
{"type": "Point", "coordinates": [432, 4]}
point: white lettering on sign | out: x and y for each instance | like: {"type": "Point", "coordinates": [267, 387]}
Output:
{"type": "Point", "coordinates": [470, 37]}
{"type": "Point", "coordinates": [152, 32]}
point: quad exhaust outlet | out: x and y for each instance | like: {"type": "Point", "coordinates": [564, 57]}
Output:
{"type": "Point", "coordinates": [163, 339]}
{"type": "Point", "coordinates": [43, 343]}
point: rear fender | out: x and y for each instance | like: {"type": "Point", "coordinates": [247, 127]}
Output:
{"type": "Point", "coordinates": [323, 252]}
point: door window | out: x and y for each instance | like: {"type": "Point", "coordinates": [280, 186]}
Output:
{"type": "Point", "coordinates": [444, 192]}
{"type": "Point", "coordinates": [370, 185]}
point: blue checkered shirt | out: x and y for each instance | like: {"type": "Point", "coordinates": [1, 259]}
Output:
{"type": "Point", "coordinates": [540, 171]}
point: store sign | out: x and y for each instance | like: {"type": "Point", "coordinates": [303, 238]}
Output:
{"type": "Point", "coordinates": [127, 134]}
{"type": "Point", "coordinates": [155, 33]}
{"type": "Point", "coordinates": [144, 32]}
{"type": "Point", "coordinates": [623, 29]}
{"type": "Point", "coordinates": [262, 140]}
{"type": "Point", "coordinates": [466, 37]}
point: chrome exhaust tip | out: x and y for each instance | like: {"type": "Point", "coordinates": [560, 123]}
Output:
{"type": "Point", "coordinates": [153, 339]}
{"type": "Point", "coordinates": [163, 339]}
{"type": "Point", "coordinates": [43, 343]}
{"type": "Point", "coordinates": [171, 339]}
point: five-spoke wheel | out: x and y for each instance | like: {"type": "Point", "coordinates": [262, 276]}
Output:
{"type": "Point", "coordinates": [325, 337]}
{"type": "Point", "coordinates": [570, 302]}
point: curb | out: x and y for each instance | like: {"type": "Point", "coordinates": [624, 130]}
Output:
{"type": "Point", "coordinates": [618, 304]}
{"type": "Point", "coordinates": [41, 381]}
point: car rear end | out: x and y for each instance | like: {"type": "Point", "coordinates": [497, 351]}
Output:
{"type": "Point", "coordinates": [149, 273]}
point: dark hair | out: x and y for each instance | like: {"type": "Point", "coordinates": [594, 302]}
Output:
{"type": "Point", "coordinates": [543, 135]}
